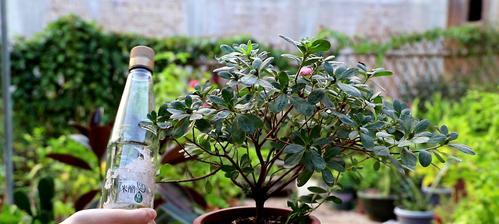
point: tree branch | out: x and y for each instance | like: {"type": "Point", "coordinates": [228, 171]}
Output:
{"type": "Point", "coordinates": [192, 179]}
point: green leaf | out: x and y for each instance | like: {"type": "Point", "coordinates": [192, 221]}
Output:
{"type": "Point", "coordinates": [408, 158]}
{"type": "Point", "coordinates": [302, 106]}
{"type": "Point", "coordinates": [294, 159]}
{"type": "Point", "coordinates": [421, 126]}
{"type": "Point", "coordinates": [293, 148]}
{"type": "Point", "coordinates": [249, 80]}
{"type": "Point", "coordinates": [437, 138]}
{"type": "Point", "coordinates": [315, 96]}
{"type": "Point", "coordinates": [334, 199]}
{"type": "Point", "coordinates": [313, 159]}
{"type": "Point", "coordinates": [283, 80]}
{"type": "Point", "coordinates": [320, 45]}
{"type": "Point", "coordinates": [367, 140]}
{"type": "Point", "coordinates": [381, 72]}
{"type": "Point", "coordinates": [439, 157]}
{"type": "Point", "coordinates": [381, 150]}
{"type": "Point", "coordinates": [419, 140]}
{"type": "Point", "coordinates": [463, 148]}
{"type": "Point", "coordinates": [328, 67]}
{"type": "Point", "coordinates": [349, 89]}
{"type": "Point", "coordinates": [346, 120]}
{"type": "Point", "coordinates": [336, 164]}
{"type": "Point", "coordinates": [304, 177]}
{"type": "Point", "coordinates": [317, 190]}
{"type": "Point", "coordinates": [248, 122]}
{"type": "Point", "coordinates": [327, 176]}
{"type": "Point", "coordinates": [203, 125]}
{"type": "Point", "coordinates": [424, 158]}
{"type": "Point", "coordinates": [444, 130]}
{"type": "Point", "coordinates": [217, 100]}
{"type": "Point", "coordinates": [265, 63]}
{"type": "Point", "coordinates": [228, 95]}
{"type": "Point", "coordinates": [398, 106]}
{"type": "Point", "coordinates": [291, 41]}
{"type": "Point", "coordinates": [256, 63]}
{"type": "Point", "coordinates": [279, 104]}
{"type": "Point", "coordinates": [376, 165]}
{"type": "Point", "coordinates": [180, 128]}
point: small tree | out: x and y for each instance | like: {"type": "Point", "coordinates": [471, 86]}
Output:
{"type": "Point", "coordinates": [267, 128]}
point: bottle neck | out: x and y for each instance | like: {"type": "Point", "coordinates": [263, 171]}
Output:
{"type": "Point", "coordinates": [140, 72]}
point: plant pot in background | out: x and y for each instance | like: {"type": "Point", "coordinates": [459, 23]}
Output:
{"type": "Point", "coordinates": [226, 216]}
{"type": "Point", "coordinates": [413, 217]}
{"type": "Point", "coordinates": [437, 195]}
{"type": "Point", "coordinates": [348, 198]}
{"type": "Point", "coordinates": [378, 207]}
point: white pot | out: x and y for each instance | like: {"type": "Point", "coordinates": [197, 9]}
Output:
{"type": "Point", "coordinates": [413, 217]}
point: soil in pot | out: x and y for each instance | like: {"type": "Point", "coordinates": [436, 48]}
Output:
{"type": "Point", "coordinates": [245, 215]}
{"type": "Point", "coordinates": [413, 217]}
{"type": "Point", "coordinates": [378, 207]}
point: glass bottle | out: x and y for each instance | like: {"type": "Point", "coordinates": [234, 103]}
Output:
{"type": "Point", "coordinates": [129, 181]}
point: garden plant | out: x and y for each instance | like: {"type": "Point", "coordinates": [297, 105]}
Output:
{"type": "Point", "coordinates": [310, 118]}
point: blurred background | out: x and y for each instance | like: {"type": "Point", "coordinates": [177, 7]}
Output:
{"type": "Point", "coordinates": [68, 65]}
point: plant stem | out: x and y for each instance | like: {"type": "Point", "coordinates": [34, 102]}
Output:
{"type": "Point", "coordinates": [192, 179]}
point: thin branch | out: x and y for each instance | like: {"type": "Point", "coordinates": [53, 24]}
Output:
{"type": "Point", "coordinates": [192, 179]}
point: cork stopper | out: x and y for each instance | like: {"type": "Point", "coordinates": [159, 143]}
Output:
{"type": "Point", "coordinates": [141, 57]}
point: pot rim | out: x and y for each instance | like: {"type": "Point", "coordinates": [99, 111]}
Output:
{"type": "Point", "coordinates": [313, 219]}
{"type": "Point", "coordinates": [438, 190]}
{"type": "Point", "coordinates": [367, 195]}
{"type": "Point", "coordinates": [416, 214]}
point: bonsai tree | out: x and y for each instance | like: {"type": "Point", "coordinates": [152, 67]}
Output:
{"type": "Point", "coordinates": [266, 127]}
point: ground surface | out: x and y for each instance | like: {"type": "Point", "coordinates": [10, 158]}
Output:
{"type": "Point", "coordinates": [326, 214]}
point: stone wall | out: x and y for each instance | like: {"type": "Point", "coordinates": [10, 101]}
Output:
{"type": "Point", "coordinates": [263, 19]}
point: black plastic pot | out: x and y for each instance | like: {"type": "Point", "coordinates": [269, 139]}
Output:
{"type": "Point", "coordinates": [413, 217]}
{"type": "Point", "coordinates": [437, 195]}
{"type": "Point", "coordinates": [348, 198]}
{"type": "Point", "coordinates": [378, 207]}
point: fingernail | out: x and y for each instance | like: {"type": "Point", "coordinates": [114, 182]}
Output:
{"type": "Point", "coordinates": [151, 213]}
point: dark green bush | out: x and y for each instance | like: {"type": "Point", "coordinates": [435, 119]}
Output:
{"type": "Point", "coordinates": [72, 67]}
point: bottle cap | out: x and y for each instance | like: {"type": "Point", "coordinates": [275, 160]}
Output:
{"type": "Point", "coordinates": [141, 57]}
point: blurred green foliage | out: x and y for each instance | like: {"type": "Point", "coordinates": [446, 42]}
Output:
{"type": "Point", "coordinates": [476, 116]}
{"type": "Point", "coordinates": [72, 67]}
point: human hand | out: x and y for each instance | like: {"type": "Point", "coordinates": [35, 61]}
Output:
{"type": "Point", "coordinates": [112, 216]}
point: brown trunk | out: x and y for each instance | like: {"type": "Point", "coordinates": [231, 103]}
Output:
{"type": "Point", "coordinates": [260, 210]}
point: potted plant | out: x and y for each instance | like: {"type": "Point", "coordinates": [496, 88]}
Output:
{"type": "Point", "coordinates": [311, 117]}
{"type": "Point", "coordinates": [377, 192]}
{"type": "Point", "coordinates": [414, 206]}
{"type": "Point", "coordinates": [436, 192]}
{"type": "Point", "coordinates": [346, 191]}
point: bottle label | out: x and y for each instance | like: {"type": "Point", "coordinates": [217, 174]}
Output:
{"type": "Point", "coordinates": [133, 192]}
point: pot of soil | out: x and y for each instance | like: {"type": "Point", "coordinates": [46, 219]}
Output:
{"type": "Point", "coordinates": [246, 215]}
{"type": "Point", "coordinates": [377, 206]}
{"type": "Point", "coordinates": [413, 217]}
{"type": "Point", "coordinates": [437, 195]}
{"type": "Point", "coordinates": [347, 197]}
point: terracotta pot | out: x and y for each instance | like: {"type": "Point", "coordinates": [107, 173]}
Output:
{"type": "Point", "coordinates": [378, 207]}
{"type": "Point", "coordinates": [227, 215]}
{"type": "Point", "coordinates": [413, 217]}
